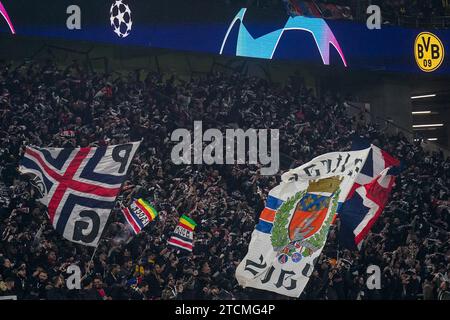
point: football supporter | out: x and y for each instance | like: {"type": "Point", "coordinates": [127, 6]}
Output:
{"type": "Point", "coordinates": [41, 104]}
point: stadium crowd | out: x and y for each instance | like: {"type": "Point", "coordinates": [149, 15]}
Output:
{"type": "Point", "coordinates": [392, 10]}
{"type": "Point", "coordinates": [43, 105]}
{"type": "Point", "coordinates": [414, 8]}
{"type": "Point", "coordinates": [402, 8]}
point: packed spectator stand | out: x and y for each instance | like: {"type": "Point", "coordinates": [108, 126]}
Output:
{"type": "Point", "coordinates": [44, 105]}
{"type": "Point", "coordinates": [409, 13]}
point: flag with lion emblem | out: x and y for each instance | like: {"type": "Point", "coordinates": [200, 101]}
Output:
{"type": "Point", "coordinates": [293, 227]}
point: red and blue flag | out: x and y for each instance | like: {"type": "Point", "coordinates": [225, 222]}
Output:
{"type": "Point", "coordinates": [367, 198]}
{"type": "Point", "coordinates": [79, 186]}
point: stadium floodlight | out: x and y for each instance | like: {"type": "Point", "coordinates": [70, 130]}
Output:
{"type": "Point", "coordinates": [418, 126]}
{"type": "Point", "coordinates": [421, 112]}
{"type": "Point", "coordinates": [424, 96]}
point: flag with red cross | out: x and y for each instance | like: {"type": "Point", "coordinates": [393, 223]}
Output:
{"type": "Point", "coordinates": [79, 186]}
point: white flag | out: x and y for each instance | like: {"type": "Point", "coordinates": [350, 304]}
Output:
{"type": "Point", "coordinates": [79, 186]}
{"type": "Point", "coordinates": [294, 225]}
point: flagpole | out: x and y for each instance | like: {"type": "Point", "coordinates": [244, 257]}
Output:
{"type": "Point", "coordinates": [114, 206]}
{"type": "Point", "coordinates": [116, 201]}
{"type": "Point", "coordinates": [93, 254]}
{"type": "Point", "coordinates": [90, 261]}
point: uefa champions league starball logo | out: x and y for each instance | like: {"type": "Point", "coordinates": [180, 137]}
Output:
{"type": "Point", "coordinates": [120, 17]}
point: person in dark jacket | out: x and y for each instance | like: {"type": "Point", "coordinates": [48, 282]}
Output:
{"type": "Point", "coordinates": [140, 292]}
{"type": "Point", "coordinates": [153, 277]}
{"type": "Point", "coordinates": [113, 277]}
{"type": "Point", "coordinates": [39, 285]}
{"type": "Point", "coordinates": [58, 290]}
{"type": "Point", "coordinates": [21, 282]}
{"type": "Point", "coordinates": [88, 292]}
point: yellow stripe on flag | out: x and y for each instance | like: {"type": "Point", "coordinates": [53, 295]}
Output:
{"type": "Point", "coordinates": [187, 221]}
{"type": "Point", "coordinates": [153, 213]}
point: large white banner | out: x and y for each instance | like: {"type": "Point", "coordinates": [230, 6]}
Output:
{"type": "Point", "coordinates": [294, 225]}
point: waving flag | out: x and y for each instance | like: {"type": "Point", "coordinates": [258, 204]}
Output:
{"type": "Point", "coordinates": [183, 235]}
{"type": "Point", "coordinates": [79, 186]}
{"type": "Point", "coordinates": [317, 9]}
{"type": "Point", "coordinates": [302, 8]}
{"type": "Point", "coordinates": [377, 161]}
{"type": "Point", "coordinates": [139, 215]}
{"type": "Point", "coordinates": [294, 225]}
{"type": "Point", "coordinates": [333, 11]}
{"type": "Point", "coordinates": [367, 197]}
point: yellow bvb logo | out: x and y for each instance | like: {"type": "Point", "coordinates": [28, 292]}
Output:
{"type": "Point", "coordinates": [428, 51]}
